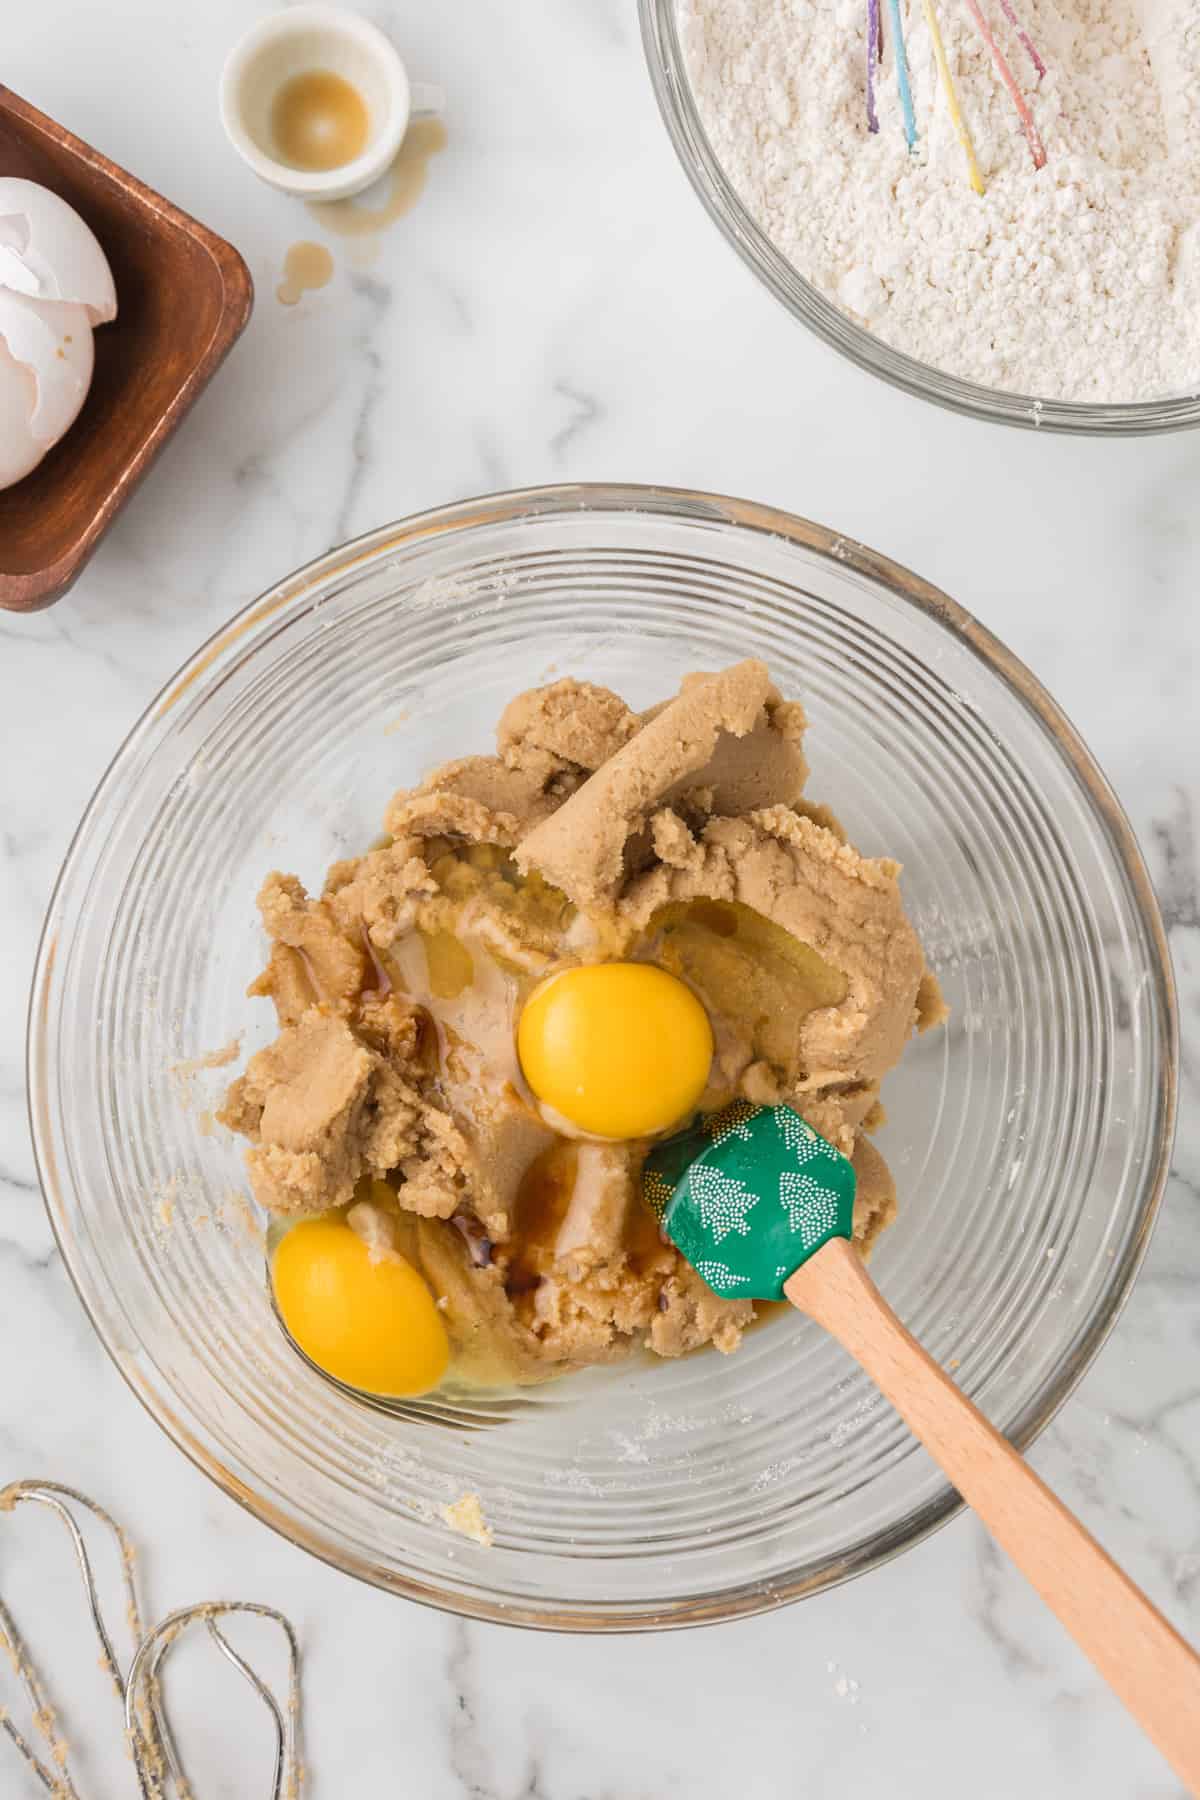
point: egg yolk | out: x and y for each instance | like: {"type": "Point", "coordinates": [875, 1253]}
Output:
{"type": "Point", "coordinates": [373, 1325]}
{"type": "Point", "coordinates": [620, 1050]}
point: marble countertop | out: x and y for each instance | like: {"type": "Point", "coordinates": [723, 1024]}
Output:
{"type": "Point", "coordinates": [558, 307]}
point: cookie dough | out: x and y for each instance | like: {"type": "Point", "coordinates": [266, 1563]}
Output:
{"type": "Point", "coordinates": [680, 836]}
{"type": "Point", "coordinates": [466, 1517]}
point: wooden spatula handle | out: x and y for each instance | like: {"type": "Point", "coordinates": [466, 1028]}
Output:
{"type": "Point", "coordinates": [1143, 1659]}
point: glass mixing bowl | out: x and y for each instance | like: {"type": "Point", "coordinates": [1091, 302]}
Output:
{"type": "Point", "coordinates": [673, 90]}
{"type": "Point", "coordinates": [1029, 1138]}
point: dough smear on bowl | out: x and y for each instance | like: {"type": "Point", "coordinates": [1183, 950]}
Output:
{"type": "Point", "coordinates": [679, 836]}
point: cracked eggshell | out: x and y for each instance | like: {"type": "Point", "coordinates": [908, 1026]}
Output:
{"type": "Point", "coordinates": [45, 373]}
{"type": "Point", "coordinates": [48, 253]}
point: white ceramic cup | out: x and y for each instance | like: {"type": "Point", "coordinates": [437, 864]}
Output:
{"type": "Point", "coordinates": [304, 38]}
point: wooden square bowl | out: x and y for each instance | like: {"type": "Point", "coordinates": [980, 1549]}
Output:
{"type": "Point", "coordinates": [183, 298]}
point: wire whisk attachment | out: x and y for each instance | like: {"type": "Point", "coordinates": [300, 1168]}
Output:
{"type": "Point", "coordinates": [152, 1743]}
{"type": "Point", "coordinates": [874, 64]}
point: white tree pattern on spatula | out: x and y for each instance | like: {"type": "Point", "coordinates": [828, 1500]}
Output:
{"type": "Point", "coordinates": [720, 1276]}
{"type": "Point", "coordinates": [657, 1192]}
{"type": "Point", "coordinates": [800, 1138]}
{"type": "Point", "coordinates": [732, 1123]}
{"type": "Point", "coordinates": [722, 1201]}
{"type": "Point", "coordinates": [809, 1205]}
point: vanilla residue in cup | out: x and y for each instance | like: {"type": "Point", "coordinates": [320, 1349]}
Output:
{"type": "Point", "coordinates": [319, 121]}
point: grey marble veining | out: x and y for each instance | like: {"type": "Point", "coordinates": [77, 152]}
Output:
{"type": "Point", "coordinates": [557, 307]}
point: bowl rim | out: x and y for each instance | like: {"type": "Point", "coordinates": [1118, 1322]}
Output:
{"type": "Point", "coordinates": [970, 399]}
{"type": "Point", "coordinates": [697, 507]}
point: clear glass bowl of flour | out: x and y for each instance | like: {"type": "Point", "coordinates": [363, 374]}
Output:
{"type": "Point", "coordinates": [1029, 1138]}
{"type": "Point", "coordinates": [663, 40]}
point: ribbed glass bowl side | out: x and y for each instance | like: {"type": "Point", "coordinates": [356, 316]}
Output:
{"type": "Point", "coordinates": [1029, 1138]}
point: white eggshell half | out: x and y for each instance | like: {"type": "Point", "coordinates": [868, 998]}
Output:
{"type": "Point", "coordinates": [44, 239]}
{"type": "Point", "coordinates": [50, 340]}
{"type": "Point", "coordinates": [13, 272]}
{"type": "Point", "coordinates": [20, 451]}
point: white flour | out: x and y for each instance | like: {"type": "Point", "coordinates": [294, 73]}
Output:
{"type": "Point", "coordinates": [1080, 281]}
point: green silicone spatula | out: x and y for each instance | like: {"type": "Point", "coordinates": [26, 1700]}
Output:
{"type": "Point", "coordinates": [762, 1207]}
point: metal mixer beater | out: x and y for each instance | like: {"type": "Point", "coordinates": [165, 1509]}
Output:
{"type": "Point", "coordinates": [153, 1748]}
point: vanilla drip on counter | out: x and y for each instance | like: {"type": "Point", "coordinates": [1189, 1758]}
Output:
{"type": "Point", "coordinates": [306, 266]}
{"type": "Point", "coordinates": [405, 181]}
